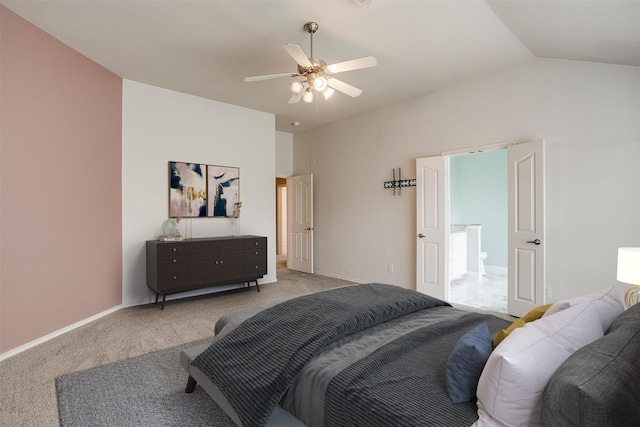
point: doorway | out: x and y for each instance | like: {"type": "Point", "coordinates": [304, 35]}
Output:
{"type": "Point", "coordinates": [478, 217]}
{"type": "Point", "coordinates": [281, 222]}
{"type": "Point", "coordinates": [525, 232]}
{"type": "Point", "coordinates": [294, 222]}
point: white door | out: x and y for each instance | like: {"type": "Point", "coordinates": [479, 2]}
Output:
{"type": "Point", "coordinates": [526, 227]}
{"type": "Point", "coordinates": [432, 196]}
{"type": "Point", "coordinates": [300, 223]}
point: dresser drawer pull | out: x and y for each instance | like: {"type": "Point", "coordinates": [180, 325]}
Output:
{"type": "Point", "coordinates": [256, 252]}
{"type": "Point", "coordinates": [175, 277]}
{"type": "Point", "coordinates": [174, 249]}
{"type": "Point", "coordinates": [175, 260]}
{"type": "Point", "coordinates": [256, 243]}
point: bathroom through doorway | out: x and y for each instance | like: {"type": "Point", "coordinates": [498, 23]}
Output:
{"type": "Point", "coordinates": [478, 240]}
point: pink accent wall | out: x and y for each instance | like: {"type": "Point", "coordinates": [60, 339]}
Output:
{"type": "Point", "coordinates": [61, 178]}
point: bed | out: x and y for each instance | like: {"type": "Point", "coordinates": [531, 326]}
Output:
{"type": "Point", "coordinates": [375, 355]}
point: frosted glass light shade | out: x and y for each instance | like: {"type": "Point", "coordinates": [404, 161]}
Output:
{"type": "Point", "coordinates": [308, 96]}
{"type": "Point", "coordinates": [320, 84]}
{"type": "Point", "coordinates": [328, 92]}
{"type": "Point", "coordinates": [295, 87]}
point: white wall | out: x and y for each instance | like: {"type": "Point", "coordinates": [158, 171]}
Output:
{"type": "Point", "coordinates": [589, 116]}
{"type": "Point", "coordinates": [159, 126]}
{"type": "Point", "coordinates": [284, 154]}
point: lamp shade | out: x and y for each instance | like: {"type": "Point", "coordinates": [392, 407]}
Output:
{"type": "Point", "coordinates": [629, 265]}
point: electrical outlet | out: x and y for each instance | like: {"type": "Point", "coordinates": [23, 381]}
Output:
{"type": "Point", "coordinates": [547, 293]}
{"type": "Point", "coordinates": [390, 268]}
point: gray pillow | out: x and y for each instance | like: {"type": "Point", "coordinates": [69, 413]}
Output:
{"type": "Point", "coordinates": [599, 385]}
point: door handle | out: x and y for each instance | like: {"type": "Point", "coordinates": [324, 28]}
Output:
{"type": "Point", "coordinates": [421, 235]}
{"type": "Point", "coordinates": [535, 242]}
{"type": "Point", "coordinates": [308, 229]}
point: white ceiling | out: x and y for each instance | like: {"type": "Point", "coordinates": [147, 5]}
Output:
{"type": "Point", "coordinates": [206, 48]}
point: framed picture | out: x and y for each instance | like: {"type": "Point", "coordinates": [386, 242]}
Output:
{"type": "Point", "coordinates": [223, 190]}
{"type": "Point", "coordinates": [187, 190]}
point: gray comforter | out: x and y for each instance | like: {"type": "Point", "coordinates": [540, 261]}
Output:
{"type": "Point", "coordinates": [257, 362]}
{"type": "Point", "coordinates": [391, 374]}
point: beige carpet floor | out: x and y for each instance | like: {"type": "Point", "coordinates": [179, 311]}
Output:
{"type": "Point", "coordinates": [27, 380]}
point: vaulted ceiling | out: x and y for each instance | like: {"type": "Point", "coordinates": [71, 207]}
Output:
{"type": "Point", "coordinates": [206, 48]}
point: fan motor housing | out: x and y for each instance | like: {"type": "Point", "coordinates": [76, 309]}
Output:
{"type": "Point", "coordinates": [318, 67]}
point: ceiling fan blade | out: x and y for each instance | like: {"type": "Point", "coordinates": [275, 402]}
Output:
{"type": "Point", "coordinates": [298, 55]}
{"type": "Point", "coordinates": [352, 91]}
{"type": "Point", "coordinates": [270, 76]}
{"type": "Point", "coordinates": [298, 96]}
{"type": "Point", "coordinates": [354, 64]}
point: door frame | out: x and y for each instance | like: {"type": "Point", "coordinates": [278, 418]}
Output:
{"type": "Point", "coordinates": [281, 215]}
{"type": "Point", "coordinates": [443, 291]}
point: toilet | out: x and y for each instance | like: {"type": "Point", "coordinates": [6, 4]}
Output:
{"type": "Point", "coordinates": [481, 270]}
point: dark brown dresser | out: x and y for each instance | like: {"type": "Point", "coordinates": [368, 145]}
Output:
{"type": "Point", "coordinates": [185, 265]}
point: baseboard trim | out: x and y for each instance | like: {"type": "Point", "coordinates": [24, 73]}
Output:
{"type": "Point", "coordinates": [494, 269]}
{"type": "Point", "coordinates": [336, 276]}
{"type": "Point", "coordinates": [41, 340]}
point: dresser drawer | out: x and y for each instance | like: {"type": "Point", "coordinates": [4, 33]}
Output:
{"type": "Point", "coordinates": [255, 270]}
{"type": "Point", "coordinates": [255, 255]}
{"type": "Point", "coordinates": [255, 243]}
{"type": "Point", "coordinates": [172, 249]}
{"type": "Point", "coordinates": [172, 273]}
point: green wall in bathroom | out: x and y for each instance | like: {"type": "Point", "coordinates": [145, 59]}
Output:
{"type": "Point", "coordinates": [478, 189]}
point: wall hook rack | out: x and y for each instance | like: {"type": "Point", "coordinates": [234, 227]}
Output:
{"type": "Point", "coordinates": [399, 183]}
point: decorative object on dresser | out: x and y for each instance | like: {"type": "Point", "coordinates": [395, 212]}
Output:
{"type": "Point", "coordinates": [180, 266]}
{"type": "Point", "coordinates": [170, 230]}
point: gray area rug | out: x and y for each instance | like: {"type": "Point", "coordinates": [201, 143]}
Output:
{"type": "Point", "coordinates": [142, 391]}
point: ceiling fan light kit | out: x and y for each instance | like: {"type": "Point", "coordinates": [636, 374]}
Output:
{"type": "Point", "coordinates": [317, 74]}
{"type": "Point", "coordinates": [296, 87]}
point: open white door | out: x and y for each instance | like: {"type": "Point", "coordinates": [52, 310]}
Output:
{"type": "Point", "coordinates": [526, 227]}
{"type": "Point", "coordinates": [300, 223]}
{"type": "Point", "coordinates": [432, 196]}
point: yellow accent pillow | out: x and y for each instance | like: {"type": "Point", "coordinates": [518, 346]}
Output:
{"type": "Point", "coordinates": [534, 314]}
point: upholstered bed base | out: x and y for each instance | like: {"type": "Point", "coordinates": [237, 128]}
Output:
{"type": "Point", "coordinates": [279, 418]}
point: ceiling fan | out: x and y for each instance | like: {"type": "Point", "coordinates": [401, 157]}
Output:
{"type": "Point", "coordinates": [318, 76]}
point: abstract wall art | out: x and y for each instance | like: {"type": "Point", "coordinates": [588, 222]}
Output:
{"type": "Point", "coordinates": [223, 183]}
{"type": "Point", "coordinates": [187, 190]}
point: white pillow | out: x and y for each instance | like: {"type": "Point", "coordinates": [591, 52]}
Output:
{"type": "Point", "coordinates": [518, 370]}
{"type": "Point", "coordinates": [608, 303]}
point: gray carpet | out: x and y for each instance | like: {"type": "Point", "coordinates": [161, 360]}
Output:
{"type": "Point", "coordinates": [142, 391]}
